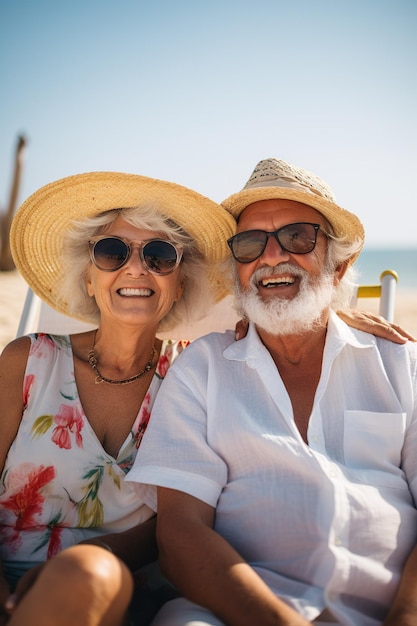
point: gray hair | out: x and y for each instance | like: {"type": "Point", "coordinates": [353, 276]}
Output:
{"type": "Point", "coordinates": [338, 252]}
{"type": "Point", "coordinates": [196, 298]}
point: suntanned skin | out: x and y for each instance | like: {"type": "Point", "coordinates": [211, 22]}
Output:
{"type": "Point", "coordinates": [205, 567]}
{"type": "Point", "coordinates": [132, 302]}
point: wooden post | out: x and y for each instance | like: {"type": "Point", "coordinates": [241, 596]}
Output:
{"type": "Point", "coordinates": [6, 261]}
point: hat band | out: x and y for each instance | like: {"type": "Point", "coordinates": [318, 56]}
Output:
{"type": "Point", "coordinates": [279, 182]}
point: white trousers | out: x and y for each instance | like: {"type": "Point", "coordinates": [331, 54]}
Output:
{"type": "Point", "coordinates": [182, 612]}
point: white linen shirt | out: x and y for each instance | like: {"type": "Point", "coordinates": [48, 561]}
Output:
{"type": "Point", "coordinates": [328, 524]}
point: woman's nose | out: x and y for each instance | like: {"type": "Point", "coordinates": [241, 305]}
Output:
{"type": "Point", "coordinates": [135, 264]}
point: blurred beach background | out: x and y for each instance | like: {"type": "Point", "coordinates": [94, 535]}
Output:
{"type": "Point", "coordinates": [198, 91]}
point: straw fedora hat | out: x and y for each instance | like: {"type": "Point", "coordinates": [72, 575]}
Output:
{"type": "Point", "coordinates": [276, 179]}
{"type": "Point", "coordinates": [39, 226]}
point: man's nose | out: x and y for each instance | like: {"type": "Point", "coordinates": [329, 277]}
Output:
{"type": "Point", "coordinates": [274, 251]}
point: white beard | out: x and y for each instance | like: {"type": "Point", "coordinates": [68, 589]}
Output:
{"type": "Point", "coordinates": [286, 317]}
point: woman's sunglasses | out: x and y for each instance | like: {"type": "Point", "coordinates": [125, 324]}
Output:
{"type": "Point", "coordinates": [111, 253]}
{"type": "Point", "coordinates": [249, 245]}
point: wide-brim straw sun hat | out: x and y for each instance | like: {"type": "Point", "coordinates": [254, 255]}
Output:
{"type": "Point", "coordinates": [276, 179]}
{"type": "Point", "coordinates": [40, 224]}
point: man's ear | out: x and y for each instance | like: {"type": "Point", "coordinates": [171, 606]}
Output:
{"type": "Point", "coordinates": [340, 271]}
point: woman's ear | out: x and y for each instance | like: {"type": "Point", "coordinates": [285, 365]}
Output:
{"type": "Point", "coordinates": [89, 284]}
{"type": "Point", "coordinates": [180, 290]}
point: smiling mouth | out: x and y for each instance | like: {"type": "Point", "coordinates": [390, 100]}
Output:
{"type": "Point", "coordinates": [268, 283]}
{"type": "Point", "coordinates": [132, 292]}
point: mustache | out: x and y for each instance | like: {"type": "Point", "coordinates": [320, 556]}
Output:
{"type": "Point", "coordinates": [277, 270]}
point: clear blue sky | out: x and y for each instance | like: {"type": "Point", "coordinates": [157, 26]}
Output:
{"type": "Point", "coordinates": [198, 91]}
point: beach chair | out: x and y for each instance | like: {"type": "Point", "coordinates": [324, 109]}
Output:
{"type": "Point", "coordinates": [385, 291]}
{"type": "Point", "coordinates": [39, 317]}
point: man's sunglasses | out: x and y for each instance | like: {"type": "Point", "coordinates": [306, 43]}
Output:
{"type": "Point", "coordinates": [111, 253]}
{"type": "Point", "coordinates": [249, 245]}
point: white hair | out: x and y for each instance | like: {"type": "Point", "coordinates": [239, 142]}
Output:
{"type": "Point", "coordinates": [197, 294]}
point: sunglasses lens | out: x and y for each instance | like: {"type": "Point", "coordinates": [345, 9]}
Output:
{"type": "Point", "coordinates": [298, 238]}
{"type": "Point", "coordinates": [295, 238]}
{"type": "Point", "coordinates": [110, 253]}
{"type": "Point", "coordinates": [160, 257]}
{"type": "Point", "coordinates": [248, 246]}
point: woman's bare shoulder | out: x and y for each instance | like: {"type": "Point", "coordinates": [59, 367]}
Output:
{"type": "Point", "coordinates": [16, 351]}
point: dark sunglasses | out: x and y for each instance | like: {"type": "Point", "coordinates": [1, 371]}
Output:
{"type": "Point", "coordinates": [111, 253]}
{"type": "Point", "coordinates": [249, 245]}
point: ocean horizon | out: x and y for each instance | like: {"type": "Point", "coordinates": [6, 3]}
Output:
{"type": "Point", "coordinates": [373, 261]}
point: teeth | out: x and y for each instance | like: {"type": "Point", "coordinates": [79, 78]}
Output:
{"type": "Point", "coordinates": [283, 280]}
{"type": "Point", "coordinates": [135, 292]}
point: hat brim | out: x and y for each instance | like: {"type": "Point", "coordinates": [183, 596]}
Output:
{"type": "Point", "coordinates": [39, 226]}
{"type": "Point", "coordinates": [345, 224]}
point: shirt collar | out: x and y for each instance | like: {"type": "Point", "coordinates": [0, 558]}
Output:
{"type": "Point", "coordinates": [245, 348]}
{"type": "Point", "coordinates": [338, 330]}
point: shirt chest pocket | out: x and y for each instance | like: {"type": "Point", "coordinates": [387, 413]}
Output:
{"type": "Point", "coordinates": [373, 441]}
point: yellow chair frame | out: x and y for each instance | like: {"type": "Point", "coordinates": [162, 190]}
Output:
{"type": "Point", "coordinates": [385, 291]}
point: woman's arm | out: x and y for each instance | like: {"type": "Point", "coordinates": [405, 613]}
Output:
{"type": "Point", "coordinates": [136, 547]}
{"type": "Point", "coordinates": [12, 370]}
{"type": "Point", "coordinates": [361, 320]}
{"type": "Point", "coordinates": [13, 362]}
{"type": "Point", "coordinates": [375, 325]}
{"type": "Point", "coordinates": [4, 594]}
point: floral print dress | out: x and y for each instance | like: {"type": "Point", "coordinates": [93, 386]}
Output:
{"type": "Point", "coordinates": [59, 485]}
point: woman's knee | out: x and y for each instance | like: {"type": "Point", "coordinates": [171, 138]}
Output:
{"type": "Point", "coordinates": [89, 569]}
{"type": "Point", "coordinates": [83, 584]}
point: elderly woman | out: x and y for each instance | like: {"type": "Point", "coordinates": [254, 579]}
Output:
{"type": "Point", "coordinates": [131, 255]}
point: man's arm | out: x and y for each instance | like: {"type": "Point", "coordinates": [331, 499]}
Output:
{"type": "Point", "coordinates": [208, 571]}
{"type": "Point", "coordinates": [404, 608]}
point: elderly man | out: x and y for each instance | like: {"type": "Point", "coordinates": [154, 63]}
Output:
{"type": "Point", "coordinates": [286, 463]}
